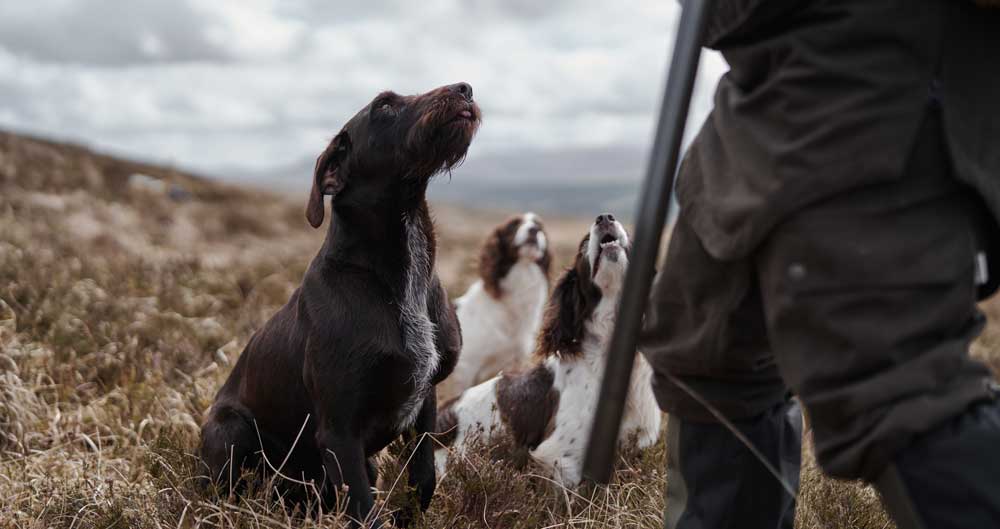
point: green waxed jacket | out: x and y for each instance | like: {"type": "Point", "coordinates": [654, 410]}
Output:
{"type": "Point", "coordinates": [825, 97]}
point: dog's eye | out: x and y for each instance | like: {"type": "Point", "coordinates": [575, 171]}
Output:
{"type": "Point", "coordinates": [385, 107]}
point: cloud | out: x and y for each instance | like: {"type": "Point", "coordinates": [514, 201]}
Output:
{"type": "Point", "coordinates": [108, 33]}
{"type": "Point", "coordinates": [258, 84]}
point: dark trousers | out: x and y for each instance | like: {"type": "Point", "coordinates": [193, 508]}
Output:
{"type": "Point", "coordinates": [863, 305]}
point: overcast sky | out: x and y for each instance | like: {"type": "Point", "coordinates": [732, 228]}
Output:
{"type": "Point", "coordinates": [221, 85]}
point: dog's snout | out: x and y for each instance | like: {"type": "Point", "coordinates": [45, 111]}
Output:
{"type": "Point", "coordinates": [533, 231]}
{"type": "Point", "coordinates": [606, 218]}
{"type": "Point", "coordinates": [462, 89]}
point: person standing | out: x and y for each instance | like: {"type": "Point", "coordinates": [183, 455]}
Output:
{"type": "Point", "coordinates": [838, 225]}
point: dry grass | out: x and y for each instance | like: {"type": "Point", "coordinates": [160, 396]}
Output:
{"type": "Point", "coordinates": [122, 311]}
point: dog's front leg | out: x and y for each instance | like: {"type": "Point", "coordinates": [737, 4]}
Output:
{"type": "Point", "coordinates": [448, 331]}
{"type": "Point", "coordinates": [423, 478]}
{"type": "Point", "coordinates": [421, 467]}
{"type": "Point", "coordinates": [345, 464]}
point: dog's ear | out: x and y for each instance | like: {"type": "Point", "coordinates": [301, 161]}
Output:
{"type": "Point", "coordinates": [490, 259]}
{"type": "Point", "coordinates": [562, 326]}
{"type": "Point", "coordinates": [545, 263]}
{"type": "Point", "coordinates": [328, 176]}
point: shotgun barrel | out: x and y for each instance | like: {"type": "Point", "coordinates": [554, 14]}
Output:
{"type": "Point", "coordinates": [654, 201]}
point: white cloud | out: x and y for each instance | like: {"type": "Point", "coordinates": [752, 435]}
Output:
{"type": "Point", "coordinates": [263, 83]}
{"type": "Point", "coordinates": [250, 29]}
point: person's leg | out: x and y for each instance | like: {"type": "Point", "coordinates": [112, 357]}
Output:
{"type": "Point", "coordinates": [705, 339]}
{"type": "Point", "coordinates": [871, 307]}
{"type": "Point", "coordinates": [948, 477]}
{"type": "Point", "coordinates": [715, 480]}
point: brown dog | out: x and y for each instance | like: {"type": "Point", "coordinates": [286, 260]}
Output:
{"type": "Point", "coordinates": [353, 357]}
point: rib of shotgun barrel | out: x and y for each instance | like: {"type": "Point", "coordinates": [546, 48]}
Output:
{"type": "Point", "coordinates": [654, 201]}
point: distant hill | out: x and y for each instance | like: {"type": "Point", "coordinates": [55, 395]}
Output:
{"type": "Point", "coordinates": [562, 181]}
{"type": "Point", "coordinates": [160, 213]}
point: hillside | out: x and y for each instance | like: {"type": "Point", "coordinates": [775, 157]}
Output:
{"type": "Point", "coordinates": [124, 301]}
{"type": "Point", "coordinates": [559, 181]}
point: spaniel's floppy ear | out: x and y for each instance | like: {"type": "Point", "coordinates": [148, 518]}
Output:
{"type": "Point", "coordinates": [562, 327]}
{"type": "Point", "coordinates": [490, 260]}
{"type": "Point", "coordinates": [546, 263]}
{"type": "Point", "coordinates": [328, 177]}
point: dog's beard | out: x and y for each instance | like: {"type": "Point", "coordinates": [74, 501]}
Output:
{"type": "Point", "coordinates": [444, 151]}
{"type": "Point", "coordinates": [440, 139]}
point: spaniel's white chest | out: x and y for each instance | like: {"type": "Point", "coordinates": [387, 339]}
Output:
{"type": "Point", "coordinates": [526, 290]}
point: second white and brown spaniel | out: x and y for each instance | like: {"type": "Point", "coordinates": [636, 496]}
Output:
{"type": "Point", "coordinates": [546, 411]}
{"type": "Point", "coordinates": [502, 311]}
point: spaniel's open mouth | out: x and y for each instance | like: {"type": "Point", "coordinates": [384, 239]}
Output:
{"type": "Point", "coordinates": [610, 247]}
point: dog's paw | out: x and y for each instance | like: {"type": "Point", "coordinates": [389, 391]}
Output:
{"type": "Point", "coordinates": [425, 492]}
{"type": "Point", "coordinates": [404, 517]}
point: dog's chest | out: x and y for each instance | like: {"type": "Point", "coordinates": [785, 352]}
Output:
{"type": "Point", "coordinates": [578, 380]}
{"type": "Point", "coordinates": [415, 321]}
{"type": "Point", "coordinates": [525, 290]}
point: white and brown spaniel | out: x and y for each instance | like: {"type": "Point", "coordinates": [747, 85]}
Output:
{"type": "Point", "coordinates": [547, 410]}
{"type": "Point", "coordinates": [501, 312]}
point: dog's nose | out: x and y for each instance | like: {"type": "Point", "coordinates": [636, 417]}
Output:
{"type": "Point", "coordinates": [533, 231]}
{"type": "Point", "coordinates": [462, 89]}
{"type": "Point", "coordinates": [606, 218]}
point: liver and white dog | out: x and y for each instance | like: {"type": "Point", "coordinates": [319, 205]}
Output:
{"type": "Point", "coordinates": [546, 411]}
{"type": "Point", "coordinates": [350, 362]}
{"type": "Point", "coordinates": [502, 311]}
